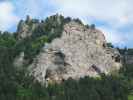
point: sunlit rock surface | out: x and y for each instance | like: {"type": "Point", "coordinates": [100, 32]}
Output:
{"type": "Point", "coordinates": [79, 52]}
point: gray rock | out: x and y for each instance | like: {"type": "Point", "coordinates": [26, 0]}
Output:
{"type": "Point", "coordinates": [78, 53]}
{"type": "Point", "coordinates": [19, 61]}
{"type": "Point", "coordinates": [26, 28]}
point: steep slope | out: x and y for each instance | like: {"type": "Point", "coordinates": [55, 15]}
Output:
{"type": "Point", "coordinates": [79, 52]}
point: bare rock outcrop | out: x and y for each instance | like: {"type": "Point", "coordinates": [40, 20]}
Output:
{"type": "Point", "coordinates": [78, 53]}
{"type": "Point", "coordinates": [19, 61]}
{"type": "Point", "coordinates": [25, 28]}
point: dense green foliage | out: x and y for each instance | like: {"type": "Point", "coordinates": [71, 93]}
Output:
{"type": "Point", "coordinates": [126, 51]}
{"type": "Point", "coordinates": [31, 47]}
{"type": "Point", "coordinates": [110, 45]}
{"type": "Point", "coordinates": [17, 85]}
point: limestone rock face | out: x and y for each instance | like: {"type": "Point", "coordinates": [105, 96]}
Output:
{"type": "Point", "coordinates": [26, 28]}
{"type": "Point", "coordinates": [19, 60]}
{"type": "Point", "coordinates": [79, 52]}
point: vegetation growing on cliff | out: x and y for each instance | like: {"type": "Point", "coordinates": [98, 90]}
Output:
{"type": "Point", "coordinates": [17, 85]}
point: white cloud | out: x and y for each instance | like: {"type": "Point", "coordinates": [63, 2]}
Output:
{"type": "Point", "coordinates": [114, 36]}
{"type": "Point", "coordinates": [7, 17]}
{"type": "Point", "coordinates": [11, 11]}
{"type": "Point", "coordinates": [120, 39]}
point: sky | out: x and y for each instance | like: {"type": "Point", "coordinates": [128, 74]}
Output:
{"type": "Point", "coordinates": [113, 17]}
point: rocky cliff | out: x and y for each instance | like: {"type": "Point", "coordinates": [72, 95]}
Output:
{"type": "Point", "coordinates": [26, 28]}
{"type": "Point", "coordinates": [79, 52]}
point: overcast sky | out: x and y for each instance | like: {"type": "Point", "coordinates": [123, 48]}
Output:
{"type": "Point", "coordinates": [113, 17]}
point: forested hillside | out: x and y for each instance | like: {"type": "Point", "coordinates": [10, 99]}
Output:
{"type": "Point", "coordinates": [16, 84]}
